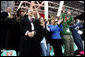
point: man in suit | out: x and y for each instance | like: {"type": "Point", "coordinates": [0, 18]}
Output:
{"type": "Point", "coordinates": [7, 13]}
{"type": "Point", "coordinates": [31, 36]}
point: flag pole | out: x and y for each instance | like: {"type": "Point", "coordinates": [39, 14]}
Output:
{"type": "Point", "coordinates": [20, 5]}
{"type": "Point", "coordinates": [46, 9]}
{"type": "Point", "coordinates": [60, 8]}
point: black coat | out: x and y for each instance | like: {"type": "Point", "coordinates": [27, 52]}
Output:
{"type": "Point", "coordinates": [47, 35]}
{"type": "Point", "coordinates": [30, 46]}
{"type": "Point", "coordinates": [4, 16]}
{"type": "Point", "coordinates": [12, 39]}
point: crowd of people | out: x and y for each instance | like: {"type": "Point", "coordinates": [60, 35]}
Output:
{"type": "Point", "coordinates": [31, 35]}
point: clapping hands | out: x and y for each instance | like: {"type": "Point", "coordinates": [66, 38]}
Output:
{"type": "Point", "coordinates": [31, 34]}
{"type": "Point", "coordinates": [69, 12]}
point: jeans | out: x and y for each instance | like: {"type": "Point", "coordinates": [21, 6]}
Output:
{"type": "Point", "coordinates": [48, 49]}
{"type": "Point", "coordinates": [45, 51]}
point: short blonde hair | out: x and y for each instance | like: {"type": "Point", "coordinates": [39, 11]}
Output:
{"type": "Point", "coordinates": [9, 8]}
{"type": "Point", "coordinates": [30, 11]}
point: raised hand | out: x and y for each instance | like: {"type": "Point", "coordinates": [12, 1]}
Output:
{"type": "Point", "coordinates": [69, 12]}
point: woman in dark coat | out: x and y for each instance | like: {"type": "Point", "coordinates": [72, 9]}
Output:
{"type": "Point", "coordinates": [12, 34]}
{"type": "Point", "coordinates": [4, 16]}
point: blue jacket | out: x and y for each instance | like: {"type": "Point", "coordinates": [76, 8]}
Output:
{"type": "Point", "coordinates": [55, 29]}
{"type": "Point", "coordinates": [75, 31]}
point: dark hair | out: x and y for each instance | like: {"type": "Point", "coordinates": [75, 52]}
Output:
{"type": "Point", "coordinates": [19, 12]}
